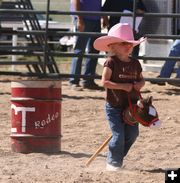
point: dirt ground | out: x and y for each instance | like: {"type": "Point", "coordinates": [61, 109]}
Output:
{"type": "Point", "coordinates": [84, 129]}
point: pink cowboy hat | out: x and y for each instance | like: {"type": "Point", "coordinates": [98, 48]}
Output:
{"type": "Point", "coordinates": [118, 33]}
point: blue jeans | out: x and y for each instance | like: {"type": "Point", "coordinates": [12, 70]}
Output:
{"type": "Point", "coordinates": [123, 135]}
{"type": "Point", "coordinates": [80, 47]}
{"type": "Point", "coordinates": [168, 66]}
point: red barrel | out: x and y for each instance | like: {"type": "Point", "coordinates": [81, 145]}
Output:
{"type": "Point", "coordinates": [36, 116]}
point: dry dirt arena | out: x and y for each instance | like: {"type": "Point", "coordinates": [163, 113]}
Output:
{"type": "Point", "coordinates": [84, 129]}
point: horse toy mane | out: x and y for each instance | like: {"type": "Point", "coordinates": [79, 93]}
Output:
{"type": "Point", "coordinates": [142, 112]}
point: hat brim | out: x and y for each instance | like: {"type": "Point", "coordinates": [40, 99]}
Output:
{"type": "Point", "coordinates": [102, 43]}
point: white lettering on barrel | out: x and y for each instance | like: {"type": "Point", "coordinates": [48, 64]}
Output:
{"type": "Point", "coordinates": [23, 110]}
{"type": "Point", "coordinates": [50, 118]}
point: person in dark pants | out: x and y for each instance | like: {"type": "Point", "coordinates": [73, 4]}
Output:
{"type": "Point", "coordinates": [168, 67]}
{"type": "Point", "coordinates": [120, 6]}
{"type": "Point", "coordinates": [85, 23]}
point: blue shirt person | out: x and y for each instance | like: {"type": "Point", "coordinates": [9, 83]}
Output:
{"type": "Point", "coordinates": [85, 23]}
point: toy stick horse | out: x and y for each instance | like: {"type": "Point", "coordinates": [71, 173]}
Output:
{"type": "Point", "coordinates": [142, 112]}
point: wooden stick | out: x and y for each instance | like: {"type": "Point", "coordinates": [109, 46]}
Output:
{"type": "Point", "coordinates": [98, 150]}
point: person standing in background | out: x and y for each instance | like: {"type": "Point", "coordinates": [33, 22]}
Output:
{"type": "Point", "coordinates": [85, 23]}
{"type": "Point", "coordinates": [168, 67]}
{"type": "Point", "coordinates": [120, 6]}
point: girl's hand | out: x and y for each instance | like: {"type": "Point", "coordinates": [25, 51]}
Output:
{"type": "Point", "coordinates": [138, 85]}
{"type": "Point", "coordinates": [127, 87]}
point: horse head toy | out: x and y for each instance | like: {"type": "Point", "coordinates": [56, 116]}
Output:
{"type": "Point", "coordinates": [142, 112]}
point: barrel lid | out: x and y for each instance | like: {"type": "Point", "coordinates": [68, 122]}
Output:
{"type": "Point", "coordinates": [33, 136]}
{"type": "Point", "coordinates": [36, 84]}
{"type": "Point", "coordinates": [16, 99]}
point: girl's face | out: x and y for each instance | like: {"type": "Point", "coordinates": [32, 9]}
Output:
{"type": "Point", "coordinates": [123, 48]}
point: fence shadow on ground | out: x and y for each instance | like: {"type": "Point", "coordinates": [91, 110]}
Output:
{"type": "Point", "coordinates": [81, 97]}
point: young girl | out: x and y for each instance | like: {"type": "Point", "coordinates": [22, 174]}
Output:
{"type": "Point", "coordinates": [121, 77]}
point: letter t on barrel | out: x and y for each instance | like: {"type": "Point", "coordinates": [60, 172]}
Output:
{"type": "Point", "coordinates": [23, 110]}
